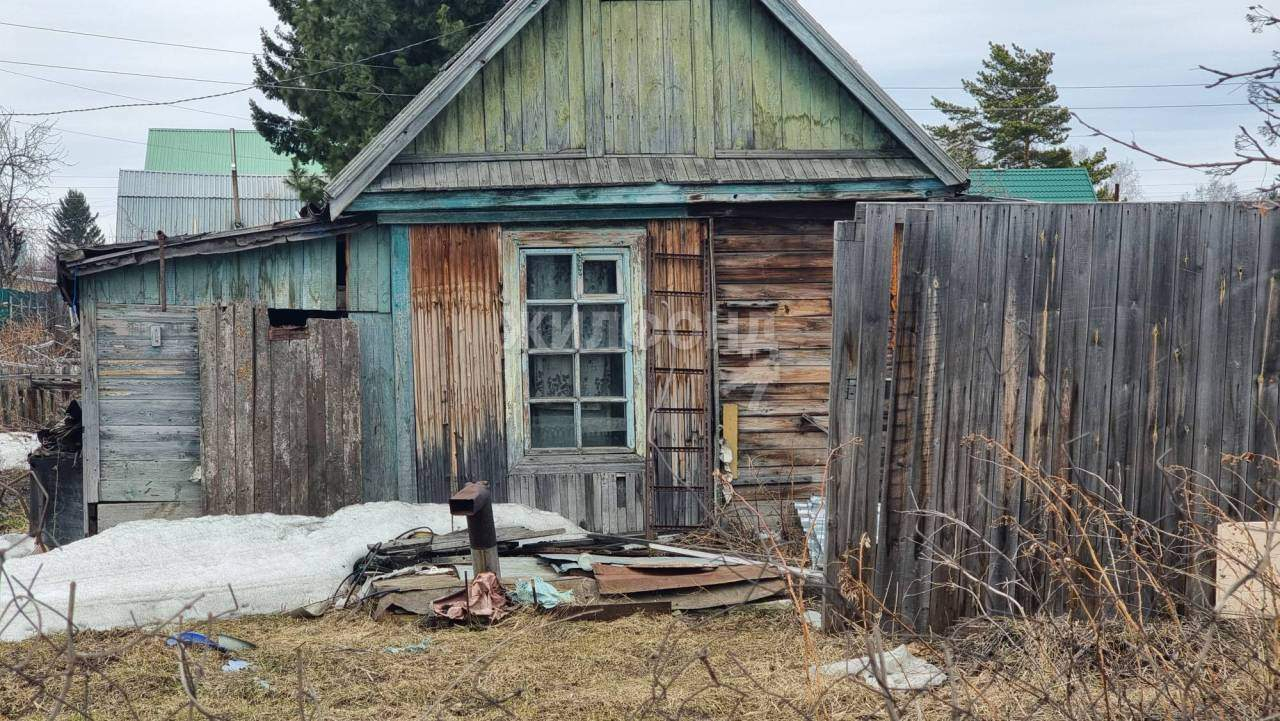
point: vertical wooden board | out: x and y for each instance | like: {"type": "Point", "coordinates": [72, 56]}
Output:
{"type": "Point", "coordinates": [556, 58]}
{"type": "Point", "coordinates": [1156, 493]}
{"type": "Point", "coordinates": [495, 119]}
{"type": "Point", "coordinates": [853, 119]}
{"type": "Point", "coordinates": [402, 341]}
{"type": "Point", "coordinates": [320, 276]}
{"type": "Point", "coordinates": [1263, 475]}
{"type": "Point", "coordinates": [622, 78]}
{"type": "Point", "coordinates": [721, 71]}
{"type": "Point", "coordinates": [651, 61]}
{"type": "Point", "coordinates": [243, 406]}
{"type": "Point", "coordinates": [1216, 236]}
{"type": "Point", "coordinates": [513, 93]}
{"type": "Point", "coordinates": [679, 78]}
{"type": "Point", "coordinates": [596, 91]}
{"type": "Point", "coordinates": [378, 403]}
{"type": "Point", "coordinates": [827, 92]}
{"type": "Point", "coordinates": [737, 19]}
{"type": "Point", "coordinates": [264, 489]}
{"type": "Point", "coordinates": [321, 483]}
{"type": "Point", "coordinates": [705, 87]}
{"type": "Point", "coordinates": [470, 128]}
{"type": "Point", "coordinates": [576, 78]}
{"type": "Point", "coordinates": [89, 396]}
{"type": "Point", "coordinates": [1073, 345]}
{"type": "Point", "coordinates": [766, 78]}
{"type": "Point", "coordinates": [533, 88]}
{"type": "Point", "coordinates": [1239, 374]}
{"type": "Point", "coordinates": [1090, 448]}
{"type": "Point", "coordinates": [799, 82]}
{"type": "Point", "coordinates": [1126, 421]}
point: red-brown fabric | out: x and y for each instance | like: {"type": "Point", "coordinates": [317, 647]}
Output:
{"type": "Point", "coordinates": [484, 597]}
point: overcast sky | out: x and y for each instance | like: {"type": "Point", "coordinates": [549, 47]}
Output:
{"type": "Point", "coordinates": [927, 43]}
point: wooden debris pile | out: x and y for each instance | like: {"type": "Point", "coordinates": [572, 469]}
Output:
{"type": "Point", "coordinates": [609, 576]}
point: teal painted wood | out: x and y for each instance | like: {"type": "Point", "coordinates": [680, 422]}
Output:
{"type": "Point", "coordinates": [369, 271]}
{"type": "Point", "coordinates": [378, 425]}
{"type": "Point", "coordinates": [294, 275]}
{"type": "Point", "coordinates": [402, 340]}
{"type": "Point", "coordinates": [657, 194]}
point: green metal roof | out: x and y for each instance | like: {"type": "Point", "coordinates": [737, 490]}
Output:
{"type": "Point", "coordinates": [179, 150]}
{"type": "Point", "coordinates": [1043, 185]}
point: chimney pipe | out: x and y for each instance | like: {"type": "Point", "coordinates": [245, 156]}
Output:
{"type": "Point", "coordinates": [235, 186]}
{"type": "Point", "coordinates": [474, 502]}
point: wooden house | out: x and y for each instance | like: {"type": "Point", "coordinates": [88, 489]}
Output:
{"type": "Point", "coordinates": [588, 263]}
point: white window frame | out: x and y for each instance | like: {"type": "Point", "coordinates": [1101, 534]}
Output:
{"type": "Point", "coordinates": [623, 244]}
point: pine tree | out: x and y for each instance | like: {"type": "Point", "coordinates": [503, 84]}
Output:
{"type": "Point", "coordinates": [1016, 123]}
{"type": "Point", "coordinates": [74, 225]}
{"type": "Point", "coordinates": [317, 45]}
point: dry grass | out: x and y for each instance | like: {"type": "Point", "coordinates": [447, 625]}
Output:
{"type": "Point", "coordinates": [13, 501]}
{"type": "Point", "coordinates": [535, 667]}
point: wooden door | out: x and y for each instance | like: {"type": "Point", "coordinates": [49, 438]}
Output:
{"type": "Point", "coordinates": [679, 375]}
{"type": "Point", "coordinates": [455, 291]}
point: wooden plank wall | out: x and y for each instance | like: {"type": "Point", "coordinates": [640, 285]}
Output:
{"type": "Point", "coordinates": [601, 502]}
{"type": "Point", "coordinates": [773, 314]}
{"type": "Point", "coordinates": [621, 77]}
{"type": "Point", "coordinates": [145, 403]}
{"type": "Point", "coordinates": [281, 416]}
{"type": "Point", "coordinates": [290, 275]}
{"type": "Point", "coordinates": [1102, 343]}
{"type": "Point", "coordinates": [679, 377]}
{"type": "Point", "coordinates": [27, 405]}
{"type": "Point", "coordinates": [456, 296]}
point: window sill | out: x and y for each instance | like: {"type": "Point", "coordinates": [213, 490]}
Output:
{"type": "Point", "coordinates": [578, 463]}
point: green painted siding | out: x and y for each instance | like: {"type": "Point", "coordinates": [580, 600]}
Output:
{"type": "Point", "coordinates": [369, 271]}
{"type": "Point", "coordinates": [179, 150]}
{"type": "Point", "coordinates": [665, 77]}
{"type": "Point", "coordinates": [293, 275]}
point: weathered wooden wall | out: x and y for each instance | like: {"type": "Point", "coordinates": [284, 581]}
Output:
{"type": "Point", "coordinates": [773, 314]}
{"type": "Point", "coordinates": [456, 297]}
{"type": "Point", "coordinates": [602, 501]}
{"type": "Point", "coordinates": [281, 412]}
{"type": "Point", "coordinates": [678, 77]}
{"type": "Point", "coordinates": [1101, 343]}
{"type": "Point", "coordinates": [36, 397]}
{"type": "Point", "coordinates": [141, 411]}
{"type": "Point", "coordinates": [680, 378]}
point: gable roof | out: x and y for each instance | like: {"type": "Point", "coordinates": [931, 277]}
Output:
{"type": "Point", "coordinates": [379, 153]}
{"type": "Point", "coordinates": [1044, 185]}
{"type": "Point", "coordinates": [193, 150]}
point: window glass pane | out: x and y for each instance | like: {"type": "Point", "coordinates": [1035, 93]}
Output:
{"type": "Point", "coordinates": [550, 277]}
{"type": "Point", "coordinates": [604, 425]}
{"type": "Point", "coordinates": [601, 326]}
{"type": "Point", "coordinates": [604, 375]}
{"type": "Point", "coordinates": [551, 327]}
{"type": "Point", "coordinates": [551, 376]}
{"type": "Point", "coordinates": [552, 425]}
{"type": "Point", "coordinates": [600, 277]}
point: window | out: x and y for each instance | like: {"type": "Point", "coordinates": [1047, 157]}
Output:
{"type": "Point", "coordinates": [578, 394]}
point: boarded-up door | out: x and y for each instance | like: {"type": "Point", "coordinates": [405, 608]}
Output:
{"type": "Point", "coordinates": [141, 412]}
{"type": "Point", "coordinates": [679, 382]}
{"type": "Point", "coordinates": [281, 413]}
{"type": "Point", "coordinates": [457, 357]}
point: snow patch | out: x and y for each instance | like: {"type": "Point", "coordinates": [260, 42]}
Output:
{"type": "Point", "coordinates": [14, 448]}
{"type": "Point", "coordinates": [16, 545]}
{"type": "Point", "coordinates": [151, 570]}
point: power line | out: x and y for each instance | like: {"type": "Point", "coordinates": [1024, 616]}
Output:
{"type": "Point", "coordinates": [239, 90]}
{"type": "Point", "coordinates": [164, 43]}
{"type": "Point", "coordinates": [201, 80]}
{"type": "Point", "coordinates": [1099, 107]}
{"type": "Point", "coordinates": [1105, 86]}
{"type": "Point", "coordinates": [213, 153]}
{"type": "Point", "coordinates": [117, 95]}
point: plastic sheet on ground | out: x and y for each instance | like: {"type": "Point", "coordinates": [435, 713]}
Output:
{"type": "Point", "coordinates": [14, 448]}
{"type": "Point", "coordinates": [903, 671]}
{"type": "Point", "coordinates": [154, 570]}
{"type": "Point", "coordinates": [535, 590]}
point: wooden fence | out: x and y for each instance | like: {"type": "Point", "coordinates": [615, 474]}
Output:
{"type": "Point", "coordinates": [36, 397]}
{"type": "Point", "coordinates": [1102, 343]}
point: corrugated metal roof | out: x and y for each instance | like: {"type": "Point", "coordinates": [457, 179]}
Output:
{"type": "Point", "coordinates": [209, 151]}
{"type": "Point", "coordinates": [632, 170]}
{"type": "Point", "coordinates": [180, 203]}
{"type": "Point", "coordinates": [1044, 185]}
